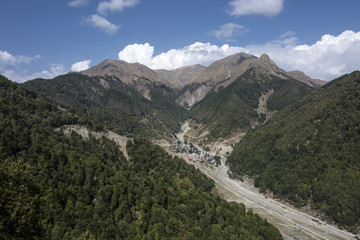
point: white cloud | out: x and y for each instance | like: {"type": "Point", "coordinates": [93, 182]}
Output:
{"type": "Point", "coordinates": [11, 66]}
{"type": "Point", "coordinates": [288, 34]}
{"type": "Point", "coordinates": [229, 30]}
{"type": "Point", "coordinates": [7, 59]}
{"type": "Point", "coordinates": [141, 53]}
{"type": "Point", "coordinates": [102, 23]}
{"type": "Point", "coordinates": [22, 75]}
{"type": "Point", "coordinates": [326, 59]}
{"type": "Point", "coordinates": [115, 5]}
{"type": "Point", "coordinates": [80, 66]}
{"type": "Point", "coordinates": [78, 3]}
{"type": "Point", "coordinates": [197, 53]}
{"type": "Point", "coordinates": [263, 7]}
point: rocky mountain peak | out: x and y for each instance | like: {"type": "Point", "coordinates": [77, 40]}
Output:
{"type": "Point", "coordinates": [267, 60]}
{"type": "Point", "coordinates": [265, 57]}
{"type": "Point", "coordinates": [223, 72]}
{"type": "Point", "coordinates": [129, 73]}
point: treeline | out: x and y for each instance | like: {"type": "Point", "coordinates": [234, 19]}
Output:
{"type": "Point", "coordinates": [309, 153]}
{"type": "Point", "coordinates": [64, 187]}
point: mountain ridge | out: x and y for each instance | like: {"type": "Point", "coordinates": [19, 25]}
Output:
{"type": "Point", "coordinates": [302, 77]}
{"type": "Point", "coordinates": [194, 82]}
{"type": "Point", "coordinates": [247, 102]}
{"type": "Point", "coordinates": [123, 107]}
{"type": "Point", "coordinates": [307, 153]}
{"type": "Point", "coordinates": [115, 85]}
{"type": "Point", "coordinates": [223, 72]}
{"type": "Point", "coordinates": [181, 76]}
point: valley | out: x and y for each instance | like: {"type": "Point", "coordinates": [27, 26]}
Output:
{"type": "Point", "coordinates": [292, 223]}
{"type": "Point", "coordinates": [240, 118]}
{"type": "Point", "coordinates": [180, 120]}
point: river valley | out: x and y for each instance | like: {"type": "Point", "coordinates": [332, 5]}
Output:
{"type": "Point", "coordinates": [292, 223]}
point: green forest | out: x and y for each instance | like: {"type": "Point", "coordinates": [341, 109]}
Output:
{"type": "Point", "coordinates": [309, 152]}
{"type": "Point", "coordinates": [55, 186]}
{"type": "Point", "coordinates": [120, 107]}
{"type": "Point", "coordinates": [234, 108]}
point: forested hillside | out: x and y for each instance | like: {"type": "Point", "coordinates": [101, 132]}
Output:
{"type": "Point", "coordinates": [309, 152]}
{"type": "Point", "coordinates": [55, 186]}
{"type": "Point", "coordinates": [121, 107]}
{"type": "Point", "coordinates": [234, 108]}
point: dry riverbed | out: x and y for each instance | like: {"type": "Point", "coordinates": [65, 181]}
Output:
{"type": "Point", "coordinates": [292, 223]}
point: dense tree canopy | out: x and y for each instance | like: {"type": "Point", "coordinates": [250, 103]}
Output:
{"type": "Point", "coordinates": [234, 107]}
{"type": "Point", "coordinates": [309, 152]}
{"type": "Point", "coordinates": [121, 107]}
{"type": "Point", "coordinates": [55, 186]}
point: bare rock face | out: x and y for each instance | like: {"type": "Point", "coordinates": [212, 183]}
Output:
{"type": "Point", "coordinates": [187, 99]}
{"type": "Point", "coordinates": [128, 73]}
{"type": "Point", "coordinates": [222, 73]}
{"type": "Point", "coordinates": [194, 81]}
{"type": "Point", "coordinates": [179, 77]}
{"type": "Point", "coordinates": [137, 75]}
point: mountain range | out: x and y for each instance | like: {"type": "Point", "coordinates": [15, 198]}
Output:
{"type": "Point", "coordinates": [134, 99]}
{"type": "Point", "coordinates": [58, 185]}
{"type": "Point", "coordinates": [301, 134]}
{"type": "Point", "coordinates": [219, 74]}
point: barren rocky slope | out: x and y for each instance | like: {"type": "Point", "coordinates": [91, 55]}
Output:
{"type": "Point", "coordinates": [179, 77]}
{"type": "Point", "coordinates": [223, 72]}
{"type": "Point", "coordinates": [298, 75]}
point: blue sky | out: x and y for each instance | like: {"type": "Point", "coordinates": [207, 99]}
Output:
{"type": "Point", "coordinates": [48, 38]}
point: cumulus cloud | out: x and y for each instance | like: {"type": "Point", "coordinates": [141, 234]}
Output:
{"type": "Point", "coordinates": [12, 67]}
{"type": "Point", "coordinates": [248, 7]}
{"type": "Point", "coordinates": [197, 53]}
{"type": "Point", "coordinates": [141, 53]}
{"type": "Point", "coordinates": [229, 30]}
{"type": "Point", "coordinates": [80, 66]}
{"type": "Point", "coordinates": [7, 59]}
{"type": "Point", "coordinates": [102, 23]}
{"type": "Point", "coordinates": [326, 59]}
{"type": "Point", "coordinates": [23, 75]}
{"type": "Point", "coordinates": [115, 5]}
{"type": "Point", "coordinates": [78, 3]}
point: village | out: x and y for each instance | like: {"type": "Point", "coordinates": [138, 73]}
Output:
{"type": "Point", "coordinates": [195, 154]}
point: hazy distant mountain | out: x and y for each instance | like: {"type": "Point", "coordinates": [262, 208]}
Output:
{"type": "Point", "coordinates": [308, 153]}
{"type": "Point", "coordinates": [179, 77]}
{"type": "Point", "coordinates": [298, 75]}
